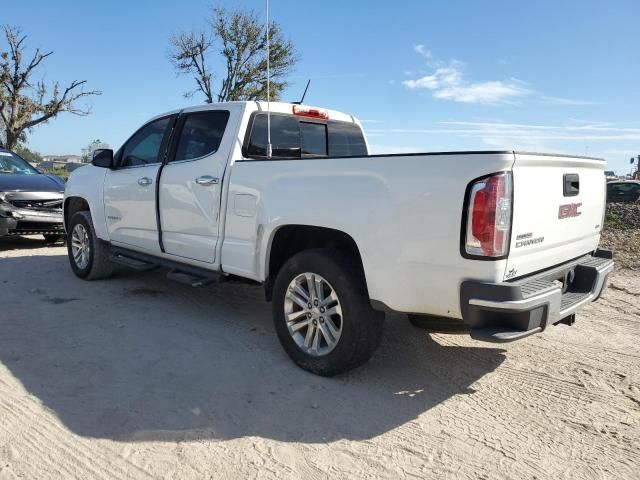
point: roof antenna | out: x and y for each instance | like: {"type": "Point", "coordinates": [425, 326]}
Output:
{"type": "Point", "coordinates": [269, 149]}
{"type": "Point", "coordinates": [304, 94]}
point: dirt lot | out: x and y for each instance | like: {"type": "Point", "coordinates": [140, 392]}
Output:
{"type": "Point", "coordinates": [138, 377]}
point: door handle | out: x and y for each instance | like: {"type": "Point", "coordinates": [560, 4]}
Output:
{"type": "Point", "coordinates": [144, 181]}
{"type": "Point", "coordinates": [207, 180]}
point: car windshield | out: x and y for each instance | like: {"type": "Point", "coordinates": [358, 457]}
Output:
{"type": "Point", "coordinates": [12, 163]}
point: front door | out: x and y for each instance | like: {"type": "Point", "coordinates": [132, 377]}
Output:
{"type": "Point", "coordinates": [130, 189]}
{"type": "Point", "coordinates": [191, 185]}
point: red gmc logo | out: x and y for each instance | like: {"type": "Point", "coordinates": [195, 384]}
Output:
{"type": "Point", "coordinates": [569, 210]}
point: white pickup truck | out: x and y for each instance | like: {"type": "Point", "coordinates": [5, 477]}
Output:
{"type": "Point", "coordinates": [503, 242]}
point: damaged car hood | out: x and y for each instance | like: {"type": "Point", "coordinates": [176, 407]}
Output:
{"type": "Point", "coordinates": [10, 182]}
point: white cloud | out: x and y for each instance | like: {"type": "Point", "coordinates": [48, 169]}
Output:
{"type": "Point", "coordinates": [497, 132]}
{"type": "Point", "coordinates": [448, 83]}
{"type": "Point", "coordinates": [486, 93]}
{"type": "Point", "coordinates": [565, 101]}
{"type": "Point", "coordinates": [442, 78]}
{"type": "Point", "coordinates": [585, 131]}
{"type": "Point", "coordinates": [422, 50]}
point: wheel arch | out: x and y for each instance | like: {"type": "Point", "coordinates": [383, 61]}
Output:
{"type": "Point", "coordinates": [77, 203]}
{"type": "Point", "coordinates": [288, 240]}
{"type": "Point", "coordinates": [72, 205]}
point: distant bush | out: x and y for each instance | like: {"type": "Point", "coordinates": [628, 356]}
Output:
{"type": "Point", "coordinates": [60, 172]}
{"type": "Point", "coordinates": [623, 216]}
{"type": "Point", "coordinates": [611, 220]}
{"type": "Point", "coordinates": [621, 233]}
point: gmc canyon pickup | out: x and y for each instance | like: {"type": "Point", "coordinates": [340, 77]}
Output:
{"type": "Point", "coordinates": [503, 242]}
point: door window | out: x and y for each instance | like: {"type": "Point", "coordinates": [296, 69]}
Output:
{"type": "Point", "coordinates": [201, 134]}
{"type": "Point", "coordinates": [144, 148]}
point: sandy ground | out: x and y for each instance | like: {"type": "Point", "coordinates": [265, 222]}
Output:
{"type": "Point", "coordinates": [139, 377]}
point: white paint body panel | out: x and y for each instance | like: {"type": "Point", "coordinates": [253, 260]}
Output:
{"type": "Point", "coordinates": [538, 194]}
{"type": "Point", "coordinates": [407, 227]}
{"type": "Point", "coordinates": [189, 212]}
{"type": "Point", "coordinates": [87, 183]}
{"type": "Point", "coordinates": [130, 208]}
{"type": "Point", "coordinates": [404, 212]}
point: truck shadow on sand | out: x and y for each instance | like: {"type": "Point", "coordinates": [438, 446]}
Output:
{"type": "Point", "coordinates": [24, 243]}
{"type": "Point", "coordinates": [139, 358]}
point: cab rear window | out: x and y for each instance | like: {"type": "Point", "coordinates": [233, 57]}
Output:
{"type": "Point", "coordinates": [313, 139]}
{"type": "Point", "coordinates": [345, 140]}
{"type": "Point", "coordinates": [295, 138]}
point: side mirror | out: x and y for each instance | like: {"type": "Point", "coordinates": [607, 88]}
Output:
{"type": "Point", "coordinates": [103, 158]}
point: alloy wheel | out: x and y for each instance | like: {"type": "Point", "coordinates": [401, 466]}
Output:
{"type": "Point", "coordinates": [313, 314]}
{"type": "Point", "coordinates": [80, 246]}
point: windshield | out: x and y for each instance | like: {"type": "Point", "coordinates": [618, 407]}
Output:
{"type": "Point", "coordinates": [12, 163]}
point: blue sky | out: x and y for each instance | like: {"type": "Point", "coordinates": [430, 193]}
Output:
{"type": "Point", "coordinates": [559, 76]}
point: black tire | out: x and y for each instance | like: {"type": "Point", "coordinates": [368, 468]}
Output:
{"type": "Point", "coordinates": [438, 324]}
{"type": "Point", "coordinates": [362, 327]}
{"type": "Point", "coordinates": [53, 237]}
{"type": "Point", "coordinates": [99, 265]}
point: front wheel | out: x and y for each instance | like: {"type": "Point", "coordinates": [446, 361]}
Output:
{"type": "Point", "coordinates": [88, 255]}
{"type": "Point", "coordinates": [322, 313]}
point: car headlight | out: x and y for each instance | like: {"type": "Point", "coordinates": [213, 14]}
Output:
{"type": "Point", "coordinates": [4, 211]}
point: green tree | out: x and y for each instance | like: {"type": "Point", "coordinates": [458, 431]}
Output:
{"type": "Point", "coordinates": [240, 38]}
{"type": "Point", "coordinates": [29, 155]}
{"type": "Point", "coordinates": [24, 102]}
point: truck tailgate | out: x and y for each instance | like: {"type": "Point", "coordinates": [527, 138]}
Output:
{"type": "Point", "coordinates": [558, 209]}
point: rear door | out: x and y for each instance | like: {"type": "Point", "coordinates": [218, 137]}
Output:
{"type": "Point", "coordinates": [558, 210]}
{"type": "Point", "coordinates": [191, 185]}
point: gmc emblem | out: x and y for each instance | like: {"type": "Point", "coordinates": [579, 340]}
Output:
{"type": "Point", "coordinates": [569, 210]}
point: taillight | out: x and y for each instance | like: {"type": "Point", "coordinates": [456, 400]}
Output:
{"type": "Point", "coordinates": [304, 111]}
{"type": "Point", "coordinates": [489, 216]}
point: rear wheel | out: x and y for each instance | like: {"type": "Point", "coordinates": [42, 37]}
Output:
{"type": "Point", "coordinates": [322, 313]}
{"type": "Point", "coordinates": [88, 255]}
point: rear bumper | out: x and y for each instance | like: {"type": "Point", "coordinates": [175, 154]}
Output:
{"type": "Point", "coordinates": [508, 311]}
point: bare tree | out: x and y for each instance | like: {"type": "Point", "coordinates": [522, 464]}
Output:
{"type": "Point", "coordinates": [241, 39]}
{"type": "Point", "coordinates": [188, 56]}
{"type": "Point", "coordinates": [25, 103]}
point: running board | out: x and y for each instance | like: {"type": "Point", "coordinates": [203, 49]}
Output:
{"type": "Point", "coordinates": [179, 272]}
{"type": "Point", "coordinates": [130, 262]}
{"type": "Point", "coordinates": [194, 280]}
